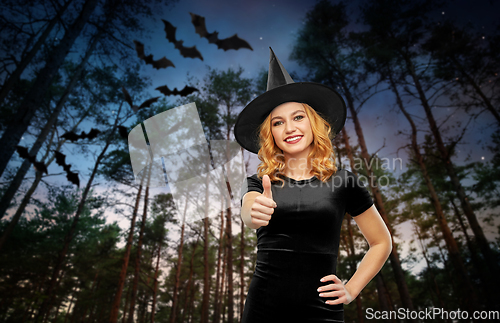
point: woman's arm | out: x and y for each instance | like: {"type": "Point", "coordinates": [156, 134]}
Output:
{"type": "Point", "coordinates": [376, 233]}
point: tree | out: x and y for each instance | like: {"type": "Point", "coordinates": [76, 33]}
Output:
{"type": "Point", "coordinates": [230, 91]}
{"type": "Point", "coordinates": [463, 57]}
{"type": "Point", "coordinates": [30, 51]}
{"type": "Point", "coordinates": [398, 26]}
{"type": "Point", "coordinates": [30, 104]}
{"type": "Point", "coordinates": [325, 49]}
{"type": "Point", "coordinates": [386, 66]}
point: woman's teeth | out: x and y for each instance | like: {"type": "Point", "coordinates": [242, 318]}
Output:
{"type": "Point", "coordinates": [293, 138]}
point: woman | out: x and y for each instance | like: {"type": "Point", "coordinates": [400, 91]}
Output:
{"type": "Point", "coordinates": [297, 202]}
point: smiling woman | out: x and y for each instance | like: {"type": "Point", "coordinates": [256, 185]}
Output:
{"type": "Point", "coordinates": [293, 140]}
{"type": "Point", "coordinates": [291, 129]}
{"type": "Point", "coordinates": [298, 222]}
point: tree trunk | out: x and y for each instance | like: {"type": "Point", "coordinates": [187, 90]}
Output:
{"type": "Point", "coordinates": [216, 317]}
{"type": "Point", "coordinates": [206, 274]}
{"type": "Point", "coordinates": [16, 74]}
{"type": "Point", "coordinates": [27, 109]}
{"type": "Point", "coordinates": [92, 290]}
{"type": "Point", "coordinates": [190, 281]}
{"type": "Point", "coordinates": [139, 251]}
{"type": "Point", "coordinates": [115, 308]}
{"type": "Point", "coordinates": [468, 294]}
{"type": "Point", "coordinates": [175, 295]}
{"type": "Point", "coordinates": [21, 208]}
{"type": "Point", "coordinates": [394, 256]}
{"type": "Point", "coordinates": [445, 155]}
{"type": "Point", "coordinates": [229, 237]}
{"type": "Point", "coordinates": [224, 298]}
{"type": "Point", "coordinates": [69, 236]}
{"type": "Point", "coordinates": [470, 246]}
{"type": "Point", "coordinates": [447, 269]}
{"type": "Point", "coordinates": [429, 267]}
{"type": "Point", "coordinates": [69, 308]}
{"type": "Point", "coordinates": [191, 303]}
{"type": "Point", "coordinates": [93, 309]}
{"type": "Point", "coordinates": [155, 287]}
{"type": "Point", "coordinates": [220, 303]}
{"type": "Point", "coordinates": [242, 269]}
{"type": "Point", "coordinates": [487, 288]}
{"type": "Point", "coordinates": [475, 86]}
{"type": "Point", "coordinates": [125, 308]}
{"type": "Point", "coordinates": [384, 299]}
{"type": "Point", "coordinates": [144, 307]}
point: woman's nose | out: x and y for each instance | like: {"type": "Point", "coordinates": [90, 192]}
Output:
{"type": "Point", "coordinates": [290, 127]}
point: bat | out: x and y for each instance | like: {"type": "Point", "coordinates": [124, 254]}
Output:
{"type": "Point", "coordinates": [123, 131]}
{"type": "Point", "coordinates": [161, 63]}
{"type": "Point", "coordinates": [145, 104]}
{"type": "Point", "coordinates": [61, 161]}
{"type": "Point", "coordinates": [39, 166]}
{"type": "Point", "coordinates": [233, 42]}
{"type": "Point", "coordinates": [74, 137]}
{"type": "Point", "coordinates": [187, 90]}
{"type": "Point", "coordinates": [191, 52]}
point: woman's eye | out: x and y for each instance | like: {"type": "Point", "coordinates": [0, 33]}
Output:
{"type": "Point", "coordinates": [277, 123]}
{"type": "Point", "coordinates": [299, 117]}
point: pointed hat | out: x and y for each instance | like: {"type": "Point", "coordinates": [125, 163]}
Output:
{"type": "Point", "coordinates": [280, 89]}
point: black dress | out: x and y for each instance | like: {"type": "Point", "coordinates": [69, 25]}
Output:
{"type": "Point", "coordinates": [299, 246]}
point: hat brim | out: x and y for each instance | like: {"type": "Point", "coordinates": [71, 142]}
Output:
{"type": "Point", "coordinates": [321, 98]}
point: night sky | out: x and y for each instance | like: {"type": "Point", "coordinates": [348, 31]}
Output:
{"type": "Point", "coordinates": [276, 24]}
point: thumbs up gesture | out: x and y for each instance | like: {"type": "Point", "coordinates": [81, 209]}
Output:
{"type": "Point", "coordinates": [263, 205]}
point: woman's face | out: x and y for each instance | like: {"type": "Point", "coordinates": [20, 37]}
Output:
{"type": "Point", "coordinates": [291, 129]}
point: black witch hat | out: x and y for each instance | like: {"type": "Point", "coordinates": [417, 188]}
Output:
{"type": "Point", "coordinates": [280, 89]}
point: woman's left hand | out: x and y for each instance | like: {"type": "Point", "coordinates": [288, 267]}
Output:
{"type": "Point", "coordinates": [339, 290]}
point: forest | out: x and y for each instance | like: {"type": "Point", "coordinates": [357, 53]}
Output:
{"type": "Point", "coordinates": [83, 239]}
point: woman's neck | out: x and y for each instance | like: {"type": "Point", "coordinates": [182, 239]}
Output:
{"type": "Point", "coordinates": [298, 167]}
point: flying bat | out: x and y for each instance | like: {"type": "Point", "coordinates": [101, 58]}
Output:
{"type": "Point", "coordinates": [39, 166]}
{"type": "Point", "coordinates": [233, 42]}
{"type": "Point", "coordinates": [161, 63]}
{"type": "Point", "coordinates": [191, 52]}
{"type": "Point", "coordinates": [123, 131]}
{"type": "Point", "coordinates": [61, 161]}
{"type": "Point", "coordinates": [187, 90]}
{"type": "Point", "coordinates": [74, 137]}
{"type": "Point", "coordinates": [145, 104]}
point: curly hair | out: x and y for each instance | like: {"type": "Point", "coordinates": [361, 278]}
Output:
{"type": "Point", "coordinates": [322, 156]}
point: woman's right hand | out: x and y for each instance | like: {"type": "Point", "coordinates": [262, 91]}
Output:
{"type": "Point", "coordinates": [263, 205]}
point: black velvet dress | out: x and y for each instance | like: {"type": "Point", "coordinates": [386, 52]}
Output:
{"type": "Point", "coordinates": [299, 246]}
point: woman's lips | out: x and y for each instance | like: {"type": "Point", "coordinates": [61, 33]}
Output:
{"type": "Point", "coordinates": [294, 141]}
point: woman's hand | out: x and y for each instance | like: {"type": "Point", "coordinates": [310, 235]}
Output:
{"type": "Point", "coordinates": [263, 205]}
{"type": "Point", "coordinates": [339, 290]}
